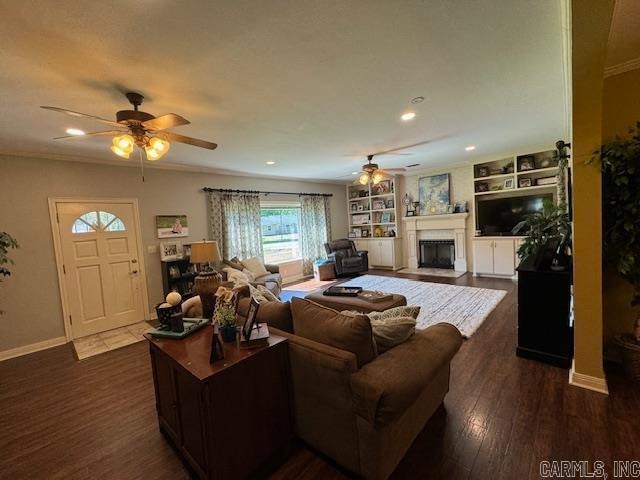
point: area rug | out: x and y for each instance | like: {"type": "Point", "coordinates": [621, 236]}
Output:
{"type": "Point", "coordinates": [433, 272]}
{"type": "Point", "coordinates": [464, 307]}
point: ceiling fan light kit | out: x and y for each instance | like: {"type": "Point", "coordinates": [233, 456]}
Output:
{"type": "Point", "coordinates": [140, 129]}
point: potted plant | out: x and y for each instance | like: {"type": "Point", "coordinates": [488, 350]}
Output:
{"type": "Point", "coordinates": [620, 164]}
{"type": "Point", "coordinates": [226, 319]}
{"type": "Point", "coordinates": [549, 228]}
{"type": "Point", "coordinates": [7, 242]}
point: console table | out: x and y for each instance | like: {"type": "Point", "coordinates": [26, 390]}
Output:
{"type": "Point", "coordinates": [228, 419]}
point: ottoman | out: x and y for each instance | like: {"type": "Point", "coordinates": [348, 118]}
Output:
{"type": "Point", "coordinates": [356, 303]}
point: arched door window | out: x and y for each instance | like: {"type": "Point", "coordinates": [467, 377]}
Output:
{"type": "Point", "coordinates": [97, 221]}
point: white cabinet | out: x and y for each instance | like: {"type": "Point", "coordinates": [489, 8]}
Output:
{"type": "Point", "coordinates": [495, 256]}
{"type": "Point", "coordinates": [383, 252]}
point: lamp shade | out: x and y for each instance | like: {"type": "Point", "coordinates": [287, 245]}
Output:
{"type": "Point", "coordinates": [205, 252]}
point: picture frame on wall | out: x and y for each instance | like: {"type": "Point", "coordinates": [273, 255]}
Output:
{"type": "Point", "coordinates": [435, 189]}
{"type": "Point", "coordinates": [171, 250]}
{"type": "Point", "coordinates": [172, 226]}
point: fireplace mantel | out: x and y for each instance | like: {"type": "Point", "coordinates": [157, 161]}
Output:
{"type": "Point", "coordinates": [453, 226]}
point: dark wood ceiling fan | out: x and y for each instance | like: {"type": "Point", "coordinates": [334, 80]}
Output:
{"type": "Point", "coordinates": [131, 127]}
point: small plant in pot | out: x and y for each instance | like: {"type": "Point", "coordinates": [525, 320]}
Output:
{"type": "Point", "coordinates": [620, 164]}
{"type": "Point", "coordinates": [226, 318]}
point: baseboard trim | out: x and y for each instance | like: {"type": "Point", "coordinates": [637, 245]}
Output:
{"type": "Point", "coordinates": [587, 381]}
{"type": "Point", "coordinates": [34, 347]}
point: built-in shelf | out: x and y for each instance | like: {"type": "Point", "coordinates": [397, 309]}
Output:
{"type": "Point", "coordinates": [536, 170]}
{"type": "Point", "coordinates": [388, 223]}
{"type": "Point", "coordinates": [383, 210]}
{"type": "Point", "coordinates": [383, 195]}
{"type": "Point", "coordinates": [491, 177]}
{"type": "Point", "coordinates": [539, 187]}
{"type": "Point", "coordinates": [359, 199]}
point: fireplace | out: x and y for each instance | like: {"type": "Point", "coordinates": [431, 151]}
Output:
{"type": "Point", "coordinates": [436, 253]}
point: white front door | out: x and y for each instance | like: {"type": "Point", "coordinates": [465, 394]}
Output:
{"type": "Point", "coordinates": [99, 244]}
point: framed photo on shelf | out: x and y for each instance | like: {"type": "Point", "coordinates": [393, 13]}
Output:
{"type": "Point", "coordinates": [385, 217]}
{"type": "Point", "coordinates": [389, 203]}
{"type": "Point", "coordinates": [411, 213]}
{"type": "Point", "coordinates": [360, 208]}
{"type": "Point", "coordinates": [460, 207]}
{"type": "Point", "coordinates": [524, 182]}
{"type": "Point", "coordinates": [382, 188]}
{"type": "Point", "coordinates": [527, 162]}
{"type": "Point", "coordinates": [365, 232]}
{"type": "Point", "coordinates": [171, 250]}
{"type": "Point", "coordinates": [508, 184]}
{"type": "Point", "coordinates": [378, 204]}
{"type": "Point", "coordinates": [251, 319]}
{"type": "Point", "coordinates": [483, 172]}
{"type": "Point", "coordinates": [482, 187]}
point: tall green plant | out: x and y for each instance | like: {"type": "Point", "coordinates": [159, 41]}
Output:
{"type": "Point", "coordinates": [7, 242]}
{"type": "Point", "coordinates": [620, 164]}
{"type": "Point", "coordinates": [549, 226]}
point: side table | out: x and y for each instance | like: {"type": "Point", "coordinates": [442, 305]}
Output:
{"type": "Point", "coordinates": [326, 271]}
{"type": "Point", "coordinates": [228, 419]}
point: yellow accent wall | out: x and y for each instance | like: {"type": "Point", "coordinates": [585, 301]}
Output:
{"type": "Point", "coordinates": [591, 20]}
{"type": "Point", "coordinates": [620, 110]}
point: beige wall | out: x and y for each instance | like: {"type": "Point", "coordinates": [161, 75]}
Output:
{"type": "Point", "coordinates": [591, 20]}
{"type": "Point", "coordinates": [620, 110]}
{"type": "Point", "coordinates": [461, 190]}
{"type": "Point", "coordinates": [30, 297]}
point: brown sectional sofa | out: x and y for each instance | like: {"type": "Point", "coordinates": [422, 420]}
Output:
{"type": "Point", "coordinates": [364, 418]}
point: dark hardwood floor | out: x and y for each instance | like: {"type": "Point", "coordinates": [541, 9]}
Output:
{"type": "Point", "coordinates": [61, 418]}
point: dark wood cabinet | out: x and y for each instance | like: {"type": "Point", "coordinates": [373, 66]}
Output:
{"type": "Point", "coordinates": [229, 419]}
{"type": "Point", "coordinates": [545, 332]}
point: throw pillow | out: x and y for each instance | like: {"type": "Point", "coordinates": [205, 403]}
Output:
{"type": "Point", "coordinates": [404, 311]}
{"type": "Point", "coordinates": [249, 274]}
{"type": "Point", "coordinates": [268, 294]}
{"type": "Point", "coordinates": [234, 263]}
{"type": "Point", "coordinates": [234, 275]}
{"type": "Point", "coordinates": [330, 327]}
{"type": "Point", "coordinates": [256, 266]}
{"type": "Point", "coordinates": [391, 331]}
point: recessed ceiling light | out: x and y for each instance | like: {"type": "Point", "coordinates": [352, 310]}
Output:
{"type": "Point", "coordinates": [417, 100]}
{"type": "Point", "coordinates": [74, 131]}
{"type": "Point", "coordinates": [408, 116]}
{"type": "Point", "coordinates": [470, 147]}
{"type": "Point", "coordinates": [270, 162]}
{"type": "Point", "coordinates": [354, 173]}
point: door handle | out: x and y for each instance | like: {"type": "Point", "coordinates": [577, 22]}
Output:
{"type": "Point", "coordinates": [134, 261]}
{"type": "Point", "coordinates": [134, 271]}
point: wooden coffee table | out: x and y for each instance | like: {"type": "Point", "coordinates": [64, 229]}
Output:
{"type": "Point", "coordinates": [228, 419]}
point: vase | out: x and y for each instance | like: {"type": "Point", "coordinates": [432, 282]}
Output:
{"type": "Point", "coordinates": [228, 333]}
{"type": "Point", "coordinates": [205, 285]}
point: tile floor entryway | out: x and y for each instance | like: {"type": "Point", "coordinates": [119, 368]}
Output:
{"type": "Point", "coordinates": [110, 340]}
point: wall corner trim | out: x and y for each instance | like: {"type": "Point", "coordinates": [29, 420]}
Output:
{"type": "Point", "coordinates": [34, 347]}
{"type": "Point", "coordinates": [587, 381]}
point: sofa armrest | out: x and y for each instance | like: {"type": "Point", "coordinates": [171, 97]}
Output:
{"type": "Point", "coordinates": [384, 388]}
{"type": "Point", "coordinates": [272, 268]}
{"type": "Point", "coordinates": [362, 253]}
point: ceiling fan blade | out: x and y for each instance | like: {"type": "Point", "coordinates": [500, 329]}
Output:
{"type": "Point", "coordinates": [165, 121]}
{"type": "Point", "coordinates": [91, 134]}
{"type": "Point", "coordinates": [392, 153]}
{"type": "Point", "coordinates": [395, 169]}
{"type": "Point", "coordinates": [190, 141]}
{"type": "Point", "coordinates": [83, 115]}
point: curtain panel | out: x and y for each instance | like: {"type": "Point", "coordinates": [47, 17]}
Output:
{"type": "Point", "coordinates": [315, 229]}
{"type": "Point", "coordinates": [235, 222]}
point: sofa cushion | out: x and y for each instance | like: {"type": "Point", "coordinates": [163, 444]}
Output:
{"type": "Point", "coordinates": [275, 314]}
{"type": "Point", "coordinates": [234, 275]}
{"type": "Point", "coordinates": [266, 293]}
{"type": "Point", "coordinates": [324, 325]}
{"type": "Point", "coordinates": [402, 311]}
{"type": "Point", "coordinates": [271, 277]}
{"type": "Point", "coordinates": [351, 261]}
{"type": "Point", "coordinates": [256, 266]}
{"type": "Point", "coordinates": [391, 331]}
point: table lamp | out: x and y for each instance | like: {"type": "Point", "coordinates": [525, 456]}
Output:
{"type": "Point", "coordinates": [208, 280]}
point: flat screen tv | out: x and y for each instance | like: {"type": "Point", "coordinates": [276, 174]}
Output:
{"type": "Point", "coordinates": [499, 216]}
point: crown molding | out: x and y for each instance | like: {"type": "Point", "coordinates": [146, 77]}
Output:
{"type": "Point", "coordinates": [622, 67]}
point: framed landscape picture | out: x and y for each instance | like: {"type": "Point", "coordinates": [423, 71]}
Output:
{"type": "Point", "coordinates": [435, 189]}
{"type": "Point", "coordinates": [172, 226]}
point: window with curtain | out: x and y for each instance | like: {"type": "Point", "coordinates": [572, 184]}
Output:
{"type": "Point", "coordinates": [280, 225]}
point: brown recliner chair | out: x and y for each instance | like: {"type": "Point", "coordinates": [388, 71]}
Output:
{"type": "Point", "coordinates": [345, 256]}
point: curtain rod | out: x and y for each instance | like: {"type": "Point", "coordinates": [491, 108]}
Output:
{"type": "Point", "coordinates": [261, 192]}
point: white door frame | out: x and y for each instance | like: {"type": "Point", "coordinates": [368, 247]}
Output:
{"type": "Point", "coordinates": [57, 247]}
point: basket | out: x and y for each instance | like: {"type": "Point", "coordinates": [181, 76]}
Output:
{"type": "Point", "coordinates": [630, 356]}
{"type": "Point", "coordinates": [164, 313]}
